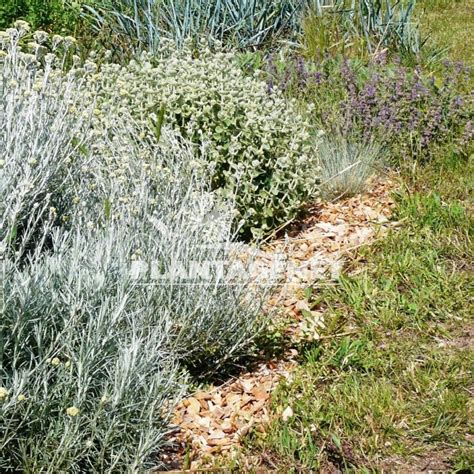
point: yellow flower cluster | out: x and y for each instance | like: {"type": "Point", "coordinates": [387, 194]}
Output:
{"type": "Point", "coordinates": [72, 411]}
{"type": "Point", "coordinates": [4, 394]}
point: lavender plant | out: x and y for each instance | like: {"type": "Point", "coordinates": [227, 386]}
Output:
{"type": "Point", "coordinates": [100, 316]}
{"type": "Point", "coordinates": [409, 112]}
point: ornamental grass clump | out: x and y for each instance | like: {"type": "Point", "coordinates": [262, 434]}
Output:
{"type": "Point", "coordinates": [242, 23]}
{"type": "Point", "coordinates": [262, 153]}
{"type": "Point", "coordinates": [364, 27]}
{"type": "Point", "coordinates": [347, 165]}
{"type": "Point", "coordinates": [114, 278]}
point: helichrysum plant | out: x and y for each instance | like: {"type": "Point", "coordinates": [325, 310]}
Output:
{"type": "Point", "coordinates": [101, 317]}
{"type": "Point", "coordinates": [39, 140]}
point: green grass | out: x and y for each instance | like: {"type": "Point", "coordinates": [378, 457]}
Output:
{"type": "Point", "coordinates": [395, 390]}
{"type": "Point", "coordinates": [450, 22]}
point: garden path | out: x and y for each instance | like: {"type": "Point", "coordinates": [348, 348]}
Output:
{"type": "Point", "coordinates": [213, 422]}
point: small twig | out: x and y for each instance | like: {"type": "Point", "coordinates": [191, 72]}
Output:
{"type": "Point", "coordinates": [340, 334]}
{"type": "Point", "coordinates": [277, 230]}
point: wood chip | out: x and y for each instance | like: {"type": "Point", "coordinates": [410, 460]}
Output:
{"type": "Point", "coordinates": [260, 393]}
{"type": "Point", "coordinates": [217, 435]}
{"type": "Point", "coordinates": [218, 441]}
{"type": "Point", "coordinates": [227, 426]}
{"type": "Point", "coordinates": [194, 407]}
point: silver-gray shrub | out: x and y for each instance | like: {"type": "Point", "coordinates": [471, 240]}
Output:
{"type": "Point", "coordinates": [178, 240]}
{"type": "Point", "coordinates": [94, 348]}
{"type": "Point", "coordinates": [38, 138]}
{"type": "Point", "coordinates": [77, 337]}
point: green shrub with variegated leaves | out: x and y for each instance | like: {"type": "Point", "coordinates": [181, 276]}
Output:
{"type": "Point", "coordinates": [260, 147]}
